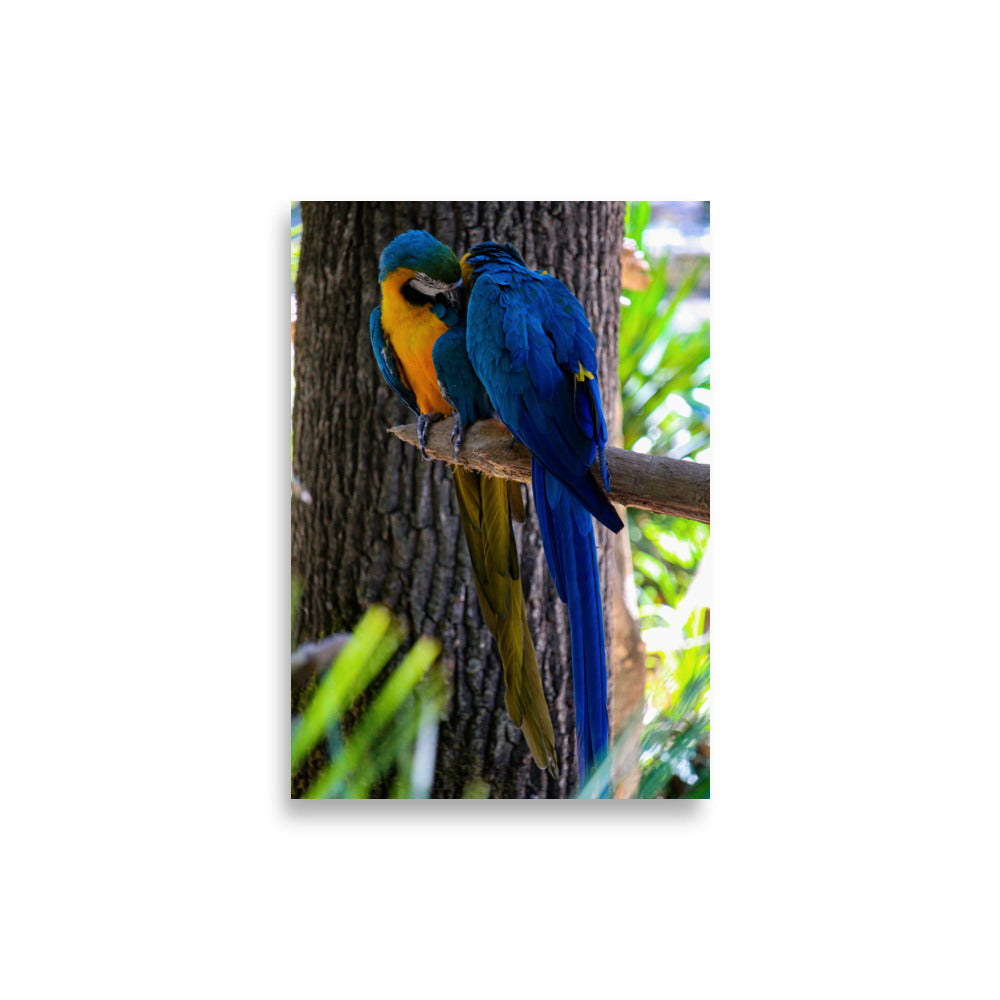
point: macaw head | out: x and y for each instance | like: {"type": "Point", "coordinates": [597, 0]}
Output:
{"type": "Point", "coordinates": [486, 253]}
{"type": "Point", "coordinates": [429, 270]}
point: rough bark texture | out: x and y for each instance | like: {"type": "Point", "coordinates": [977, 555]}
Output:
{"type": "Point", "coordinates": [383, 525]}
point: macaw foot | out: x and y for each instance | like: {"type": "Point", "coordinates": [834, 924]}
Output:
{"type": "Point", "coordinates": [458, 432]}
{"type": "Point", "coordinates": [424, 422]}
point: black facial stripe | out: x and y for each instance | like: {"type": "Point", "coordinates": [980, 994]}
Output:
{"type": "Point", "coordinates": [414, 297]}
{"type": "Point", "coordinates": [418, 298]}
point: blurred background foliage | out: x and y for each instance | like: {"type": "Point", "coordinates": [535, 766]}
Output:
{"type": "Point", "coordinates": [664, 354]}
{"type": "Point", "coordinates": [296, 240]}
{"type": "Point", "coordinates": [394, 733]}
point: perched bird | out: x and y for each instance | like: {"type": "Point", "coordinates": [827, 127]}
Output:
{"type": "Point", "coordinates": [421, 280]}
{"type": "Point", "coordinates": [530, 345]}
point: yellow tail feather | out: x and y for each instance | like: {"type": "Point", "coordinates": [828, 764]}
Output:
{"type": "Point", "coordinates": [486, 506]}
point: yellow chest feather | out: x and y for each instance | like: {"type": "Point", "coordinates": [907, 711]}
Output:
{"type": "Point", "coordinates": [411, 332]}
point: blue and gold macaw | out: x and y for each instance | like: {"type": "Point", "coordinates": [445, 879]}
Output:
{"type": "Point", "coordinates": [532, 349]}
{"type": "Point", "coordinates": [421, 298]}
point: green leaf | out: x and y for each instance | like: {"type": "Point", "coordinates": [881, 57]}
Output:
{"type": "Point", "coordinates": [371, 646]}
{"type": "Point", "coordinates": [388, 701]}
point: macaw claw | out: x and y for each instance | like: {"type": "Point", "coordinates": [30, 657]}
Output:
{"type": "Point", "coordinates": [457, 433]}
{"type": "Point", "coordinates": [424, 422]}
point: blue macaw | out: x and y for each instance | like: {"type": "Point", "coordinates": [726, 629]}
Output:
{"type": "Point", "coordinates": [530, 346]}
{"type": "Point", "coordinates": [420, 280]}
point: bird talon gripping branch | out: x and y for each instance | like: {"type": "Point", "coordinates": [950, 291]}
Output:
{"type": "Point", "coordinates": [424, 422]}
{"type": "Point", "coordinates": [457, 433]}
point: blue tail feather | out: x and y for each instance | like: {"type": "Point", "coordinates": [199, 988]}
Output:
{"type": "Point", "coordinates": [568, 538]}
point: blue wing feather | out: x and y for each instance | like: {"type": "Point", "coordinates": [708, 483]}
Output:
{"type": "Point", "coordinates": [386, 361]}
{"type": "Point", "coordinates": [528, 345]}
{"type": "Point", "coordinates": [528, 339]}
{"type": "Point", "coordinates": [459, 383]}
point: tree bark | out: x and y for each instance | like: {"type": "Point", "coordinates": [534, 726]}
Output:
{"type": "Point", "coordinates": [383, 524]}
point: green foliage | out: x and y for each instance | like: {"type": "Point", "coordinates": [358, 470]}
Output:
{"type": "Point", "coordinates": [397, 730]}
{"type": "Point", "coordinates": [674, 735]}
{"type": "Point", "coordinates": [664, 374]}
{"type": "Point", "coordinates": [666, 551]}
{"type": "Point", "coordinates": [664, 377]}
{"type": "Point", "coordinates": [296, 239]}
{"type": "Point", "coordinates": [674, 753]}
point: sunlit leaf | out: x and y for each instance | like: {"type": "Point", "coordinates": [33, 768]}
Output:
{"type": "Point", "coordinates": [665, 381]}
{"type": "Point", "coordinates": [371, 646]}
{"type": "Point", "coordinates": [378, 715]}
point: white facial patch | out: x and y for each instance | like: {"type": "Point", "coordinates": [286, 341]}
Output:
{"type": "Point", "coordinates": [431, 286]}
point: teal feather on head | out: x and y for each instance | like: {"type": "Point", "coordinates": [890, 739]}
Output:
{"type": "Point", "coordinates": [420, 252]}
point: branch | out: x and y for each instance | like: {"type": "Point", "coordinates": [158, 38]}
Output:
{"type": "Point", "coordinates": [649, 482]}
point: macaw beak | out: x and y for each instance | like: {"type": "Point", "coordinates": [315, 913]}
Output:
{"type": "Point", "coordinates": [453, 295]}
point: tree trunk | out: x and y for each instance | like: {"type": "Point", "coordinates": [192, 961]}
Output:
{"type": "Point", "coordinates": [383, 524]}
